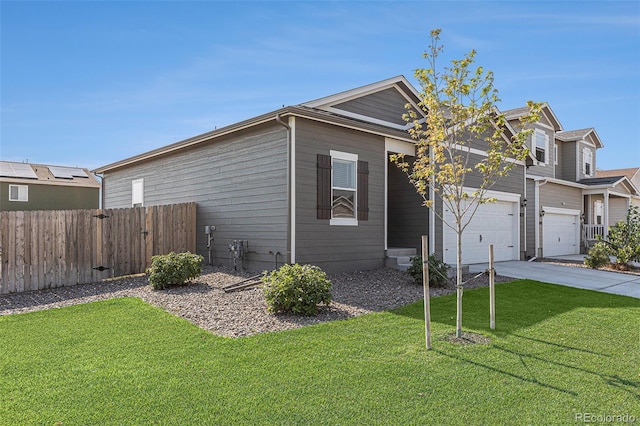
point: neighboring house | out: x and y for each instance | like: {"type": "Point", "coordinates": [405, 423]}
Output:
{"type": "Point", "coordinates": [567, 204]}
{"type": "Point", "coordinates": [633, 174]}
{"type": "Point", "coordinates": [25, 186]}
{"type": "Point", "coordinates": [313, 183]}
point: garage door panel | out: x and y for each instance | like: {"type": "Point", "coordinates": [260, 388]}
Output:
{"type": "Point", "coordinates": [493, 223]}
{"type": "Point", "coordinates": [560, 234]}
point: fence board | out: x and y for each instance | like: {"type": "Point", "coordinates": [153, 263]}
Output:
{"type": "Point", "coordinates": [44, 249]}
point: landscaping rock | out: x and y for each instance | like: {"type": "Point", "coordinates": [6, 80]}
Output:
{"type": "Point", "coordinates": [242, 313]}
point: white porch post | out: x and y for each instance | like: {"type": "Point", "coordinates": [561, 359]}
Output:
{"type": "Point", "coordinates": [606, 212]}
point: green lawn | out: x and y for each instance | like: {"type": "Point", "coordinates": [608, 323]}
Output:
{"type": "Point", "coordinates": [558, 352]}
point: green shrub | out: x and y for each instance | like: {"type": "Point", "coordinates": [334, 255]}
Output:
{"type": "Point", "coordinates": [437, 271]}
{"type": "Point", "coordinates": [296, 289]}
{"type": "Point", "coordinates": [173, 269]}
{"type": "Point", "coordinates": [598, 256]}
{"type": "Point", "coordinates": [623, 240]}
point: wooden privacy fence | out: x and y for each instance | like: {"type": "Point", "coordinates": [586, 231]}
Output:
{"type": "Point", "coordinates": [54, 248]}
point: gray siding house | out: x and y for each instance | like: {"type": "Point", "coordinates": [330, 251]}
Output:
{"type": "Point", "coordinates": [313, 183]}
{"type": "Point", "coordinates": [568, 206]}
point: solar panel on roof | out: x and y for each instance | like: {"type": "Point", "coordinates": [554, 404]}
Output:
{"type": "Point", "coordinates": [17, 170]}
{"type": "Point", "coordinates": [67, 172]}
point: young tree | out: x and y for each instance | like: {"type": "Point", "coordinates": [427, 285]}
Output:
{"type": "Point", "coordinates": [459, 105]}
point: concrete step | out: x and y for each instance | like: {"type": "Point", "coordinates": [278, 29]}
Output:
{"type": "Point", "coordinates": [400, 258]}
{"type": "Point", "coordinates": [394, 252]}
{"type": "Point", "coordinates": [403, 266]}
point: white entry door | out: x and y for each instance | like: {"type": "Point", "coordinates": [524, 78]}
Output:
{"type": "Point", "coordinates": [494, 223]}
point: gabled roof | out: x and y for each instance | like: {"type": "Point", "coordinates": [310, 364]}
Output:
{"type": "Point", "coordinates": [44, 174]}
{"type": "Point", "coordinates": [546, 111]}
{"type": "Point", "coordinates": [588, 134]}
{"type": "Point", "coordinates": [389, 97]}
{"type": "Point", "coordinates": [629, 173]}
{"type": "Point", "coordinates": [298, 111]}
{"type": "Point", "coordinates": [612, 180]}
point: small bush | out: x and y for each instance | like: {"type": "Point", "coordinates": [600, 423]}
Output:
{"type": "Point", "coordinates": [173, 269]}
{"type": "Point", "coordinates": [296, 289]}
{"type": "Point", "coordinates": [437, 271]}
{"type": "Point", "coordinates": [623, 240]}
{"type": "Point", "coordinates": [598, 256]}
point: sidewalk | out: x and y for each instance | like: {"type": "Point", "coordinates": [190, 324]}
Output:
{"type": "Point", "coordinates": [590, 279]}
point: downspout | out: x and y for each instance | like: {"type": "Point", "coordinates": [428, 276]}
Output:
{"type": "Point", "coordinates": [289, 189]}
{"type": "Point", "coordinates": [101, 176]}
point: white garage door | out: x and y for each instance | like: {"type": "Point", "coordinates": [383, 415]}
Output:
{"type": "Point", "coordinates": [494, 223]}
{"type": "Point", "coordinates": [560, 232]}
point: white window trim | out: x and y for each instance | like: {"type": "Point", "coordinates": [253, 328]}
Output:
{"type": "Point", "coordinates": [546, 146]}
{"type": "Point", "coordinates": [342, 221]}
{"type": "Point", "coordinates": [585, 152]}
{"type": "Point", "coordinates": [134, 199]}
{"type": "Point", "coordinates": [22, 190]}
{"type": "Point", "coordinates": [555, 154]}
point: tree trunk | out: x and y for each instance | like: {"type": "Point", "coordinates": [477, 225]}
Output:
{"type": "Point", "coordinates": [459, 282]}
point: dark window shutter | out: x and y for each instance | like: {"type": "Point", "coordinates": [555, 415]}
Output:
{"type": "Point", "coordinates": [363, 190]}
{"type": "Point", "coordinates": [324, 186]}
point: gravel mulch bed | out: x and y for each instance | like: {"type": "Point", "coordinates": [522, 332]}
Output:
{"type": "Point", "coordinates": [241, 313]}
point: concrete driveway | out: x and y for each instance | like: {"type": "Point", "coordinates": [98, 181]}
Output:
{"type": "Point", "coordinates": [590, 279]}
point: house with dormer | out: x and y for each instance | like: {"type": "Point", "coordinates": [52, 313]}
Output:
{"type": "Point", "coordinates": [568, 205]}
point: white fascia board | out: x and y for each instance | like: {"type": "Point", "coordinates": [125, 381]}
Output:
{"type": "Point", "coordinates": [498, 195]}
{"type": "Point", "coordinates": [399, 147]}
{"type": "Point", "coordinates": [484, 153]}
{"type": "Point", "coordinates": [559, 210]}
{"type": "Point", "coordinates": [320, 120]}
{"type": "Point", "coordinates": [544, 180]}
{"type": "Point", "coordinates": [367, 118]}
{"type": "Point", "coordinates": [362, 91]}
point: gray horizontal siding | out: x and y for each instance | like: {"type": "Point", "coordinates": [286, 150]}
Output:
{"type": "Point", "coordinates": [560, 196]}
{"type": "Point", "coordinates": [530, 220]}
{"type": "Point", "coordinates": [568, 161]}
{"type": "Point", "coordinates": [239, 183]}
{"type": "Point", "coordinates": [337, 248]}
{"type": "Point", "coordinates": [50, 197]}
{"type": "Point", "coordinates": [617, 210]}
{"type": "Point", "coordinates": [387, 105]}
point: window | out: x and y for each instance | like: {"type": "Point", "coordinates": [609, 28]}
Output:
{"type": "Point", "coordinates": [541, 146]}
{"type": "Point", "coordinates": [343, 186]}
{"type": "Point", "coordinates": [598, 209]}
{"type": "Point", "coordinates": [555, 154]}
{"type": "Point", "coordinates": [588, 161]}
{"type": "Point", "coordinates": [18, 193]}
{"type": "Point", "coordinates": [137, 193]}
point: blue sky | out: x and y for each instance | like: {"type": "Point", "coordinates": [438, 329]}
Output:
{"type": "Point", "coordinates": [89, 83]}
